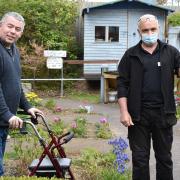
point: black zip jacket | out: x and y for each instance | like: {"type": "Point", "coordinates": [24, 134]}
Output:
{"type": "Point", "coordinates": [129, 81]}
{"type": "Point", "coordinates": [11, 93]}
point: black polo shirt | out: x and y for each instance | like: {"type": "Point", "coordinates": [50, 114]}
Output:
{"type": "Point", "coordinates": [151, 89]}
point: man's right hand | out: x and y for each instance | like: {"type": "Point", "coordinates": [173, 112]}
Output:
{"type": "Point", "coordinates": [15, 122]}
{"type": "Point", "coordinates": [126, 119]}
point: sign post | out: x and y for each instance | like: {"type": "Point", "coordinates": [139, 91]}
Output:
{"type": "Point", "coordinates": [55, 61]}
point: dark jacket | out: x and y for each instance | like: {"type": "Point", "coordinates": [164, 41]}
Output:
{"type": "Point", "coordinates": [11, 93]}
{"type": "Point", "coordinates": [129, 82]}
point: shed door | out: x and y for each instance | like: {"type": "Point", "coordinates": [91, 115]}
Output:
{"type": "Point", "coordinates": [133, 35]}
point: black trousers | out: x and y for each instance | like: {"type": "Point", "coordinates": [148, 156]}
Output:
{"type": "Point", "coordinates": [140, 136]}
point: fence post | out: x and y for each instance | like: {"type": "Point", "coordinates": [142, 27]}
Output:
{"type": "Point", "coordinates": [103, 69]}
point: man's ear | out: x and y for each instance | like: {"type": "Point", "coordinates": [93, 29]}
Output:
{"type": "Point", "coordinates": [139, 32]}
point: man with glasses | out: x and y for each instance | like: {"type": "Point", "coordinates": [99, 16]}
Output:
{"type": "Point", "coordinates": [11, 93]}
{"type": "Point", "coordinates": [146, 99]}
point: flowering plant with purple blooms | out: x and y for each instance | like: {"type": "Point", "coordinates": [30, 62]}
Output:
{"type": "Point", "coordinates": [119, 147]}
{"type": "Point", "coordinates": [102, 129]}
{"type": "Point", "coordinates": [103, 120]}
{"type": "Point", "coordinates": [58, 109]}
{"type": "Point", "coordinates": [79, 127]}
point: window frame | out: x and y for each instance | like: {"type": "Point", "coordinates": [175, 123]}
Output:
{"type": "Point", "coordinates": [106, 34]}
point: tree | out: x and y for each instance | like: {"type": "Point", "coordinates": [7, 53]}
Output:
{"type": "Point", "coordinates": [174, 19]}
{"type": "Point", "coordinates": [48, 23]}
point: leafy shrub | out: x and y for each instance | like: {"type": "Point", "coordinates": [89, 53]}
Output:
{"type": "Point", "coordinates": [174, 19]}
{"type": "Point", "coordinates": [79, 126]}
{"type": "Point", "coordinates": [33, 98]}
{"type": "Point", "coordinates": [50, 23]}
{"type": "Point", "coordinates": [102, 129]}
{"type": "Point", "coordinates": [97, 165]}
{"type": "Point", "coordinates": [27, 178]}
{"type": "Point", "coordinates": [50, 104]}
{"type": "Point", "coordinates": [57, 126]}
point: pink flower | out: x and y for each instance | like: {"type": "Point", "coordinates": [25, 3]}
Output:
{"type": "Point", "coordinates": [73, 125]}
{"type": "Point", "coordinates": [56, 119]}
{"type": "Point", "coordinates": [103, 120]}
{"type": "Point", "coordinates": [58, 109]}
{"type": "Point", "coordinates": [177, 92]}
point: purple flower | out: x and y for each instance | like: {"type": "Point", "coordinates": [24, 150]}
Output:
{"type": "Point", "coordinates": [103, 120]}
{"type": "Point", "coordinates": [119, 147]}
{"type": "Point", "coordinates": [58, 109]}
{"type": "Point", "coordinates": [56, 119]}
{"type": "Point", "coordinates": [74, 125]}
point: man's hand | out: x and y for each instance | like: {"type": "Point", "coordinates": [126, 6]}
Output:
{"type": "Point", "coordinates": [126, 119]}
{"type": "Point", "coordinates": [33, 111]}
{"type": "Point", "coordinates": [15, 122]}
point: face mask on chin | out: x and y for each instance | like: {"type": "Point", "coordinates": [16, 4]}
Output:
{"type": "Point", "coordinates": [149, 39]}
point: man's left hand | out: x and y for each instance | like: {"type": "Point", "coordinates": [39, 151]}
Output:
{"type": "Point", "coordinates": [33, 111]}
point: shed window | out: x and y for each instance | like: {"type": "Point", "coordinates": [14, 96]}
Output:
{"type": "Point", "coordinates": [113, 34]}
{"type": "Point", "coordinates": [100, 32]}
{"type": "Point", "coordinates": [106, 33]}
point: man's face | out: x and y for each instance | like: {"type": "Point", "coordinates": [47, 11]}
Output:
{"type": "Point", "coordinates": [148, 26]}
{"type": "Point", "coordinates": [10, 30]}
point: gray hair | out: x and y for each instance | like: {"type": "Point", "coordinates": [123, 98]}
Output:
{"type": "Point", "coordinates": [16, 15]}
{"type": "Point", "coordinates": [146, 17]}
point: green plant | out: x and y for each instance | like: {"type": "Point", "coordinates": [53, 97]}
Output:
{"type": "Point", "coordinates": [79, 127]}
{"type": "Point", "coordinates": [84, 96]}
{"type": "Point", "coordinates": [112, 174]}
{"type": "Point", "coordinates": [174, 19]}
{"type": "Point", "coordinates": [57, 126]}
{"type": "Point", "coordinates": [102, 129]}
{"type": "Point", "coordinates": [27, 178]}
{"type": "Point", "coordinates": [81, 109]}
{"type": "Point", "coordinates": [99, 166]}
{"type": "Point", "coordinates": [24, 153]}
{"type": "Point", "coordinates": [50, 104]}
{"type": "Point", "coordinates": [33, 98]}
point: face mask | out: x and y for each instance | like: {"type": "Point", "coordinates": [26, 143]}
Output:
{"type": "Point", "coordinates": [150, 39]}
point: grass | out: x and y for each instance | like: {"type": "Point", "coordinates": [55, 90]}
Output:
{"type": "Point", "coordinates": [84, 96]}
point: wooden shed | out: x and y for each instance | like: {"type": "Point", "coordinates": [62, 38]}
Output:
{"type": "Point", "coordinates": [111, 28]}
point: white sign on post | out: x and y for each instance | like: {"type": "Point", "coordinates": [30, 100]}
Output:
{"type": "Point", "coordinates": [54, 53]}
{"type": "Point", "coordinates": [54, 63]}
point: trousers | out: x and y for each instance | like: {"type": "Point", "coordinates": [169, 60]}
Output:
{"type": "Point", "coordinates": [3, 137]}
{"type": "Point", "coordinates": [140, 136]}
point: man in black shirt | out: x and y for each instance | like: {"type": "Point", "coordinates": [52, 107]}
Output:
{"type": "Point", "coordinates": [146, 99]}
{"type": "Point", "coordinates": [11, 92]}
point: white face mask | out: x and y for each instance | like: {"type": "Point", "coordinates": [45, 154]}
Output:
{"type": "Point", "coordinates": [150, 39]}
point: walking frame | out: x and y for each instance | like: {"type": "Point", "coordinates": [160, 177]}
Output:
{"type": "Point", "coordinates": [49, 164]}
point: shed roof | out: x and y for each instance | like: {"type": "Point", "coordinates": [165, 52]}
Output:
{"type": "Point", "coordinates": [121, 4]}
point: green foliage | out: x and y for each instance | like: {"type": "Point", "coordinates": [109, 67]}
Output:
{"type": "Point", "coordinates": [27, 178]}
{"type": "Point", "coordinates": [50, 104]}
{"type": "Point", "coordinates": [33, 99]}
{"type": "Point", "coordinates": [103, 130]}
{"type": "Point", "coordinates": [24, 153]}
{"type": "Point", "coordinates": [97, 165]}
{"type": "Point", "coordinates": [50, 23]}
{"type": "Point", "coordinates": [81, 110]}
{"type": "Point", "coordinates": [174, 19]}
{"type": "Point", "coordinates": [112, 174]}
{"type": "Point", "coordinates": [58, 127]}
{"type": "Point", "coordinates": [79, 127]}
{"type": "Point", "coordinates": [84, 96]}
